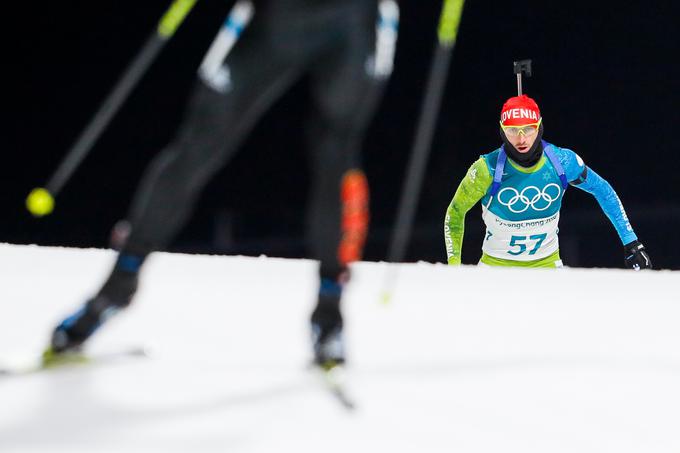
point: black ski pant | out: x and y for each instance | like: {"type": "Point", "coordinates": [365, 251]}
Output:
{"type": "Point", "coordinates": [334, 47]}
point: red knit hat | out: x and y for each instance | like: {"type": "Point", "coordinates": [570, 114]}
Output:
{"type": "Point", "coordinates": [520, 110]}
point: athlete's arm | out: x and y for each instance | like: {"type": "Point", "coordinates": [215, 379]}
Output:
{"type": "Point", "coordinates": [473, 187]}
{"type": "Point", "coordinates": [589, 181]}
{"type": "Point", "coordinates": [583, 177]}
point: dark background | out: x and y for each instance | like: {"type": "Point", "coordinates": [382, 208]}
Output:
{"type": "Point", "coordinates": [605, 76]}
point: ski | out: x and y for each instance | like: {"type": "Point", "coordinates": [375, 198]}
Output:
{"type": "Point", "coordinates": [49, 361]}
{"type": "Point", "coordinates": [333, 379]}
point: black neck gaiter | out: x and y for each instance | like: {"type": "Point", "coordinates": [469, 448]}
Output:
{"type": "Point", "coordinates": [531, 157]}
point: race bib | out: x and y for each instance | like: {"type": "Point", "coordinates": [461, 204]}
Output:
{"type": "Point", "coordinates": [524, 240]}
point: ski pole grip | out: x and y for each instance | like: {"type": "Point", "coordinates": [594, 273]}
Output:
{"type": "Point", "coordinates": [449, 22]}
{"type": "Point", "coordinates": [174, 17]}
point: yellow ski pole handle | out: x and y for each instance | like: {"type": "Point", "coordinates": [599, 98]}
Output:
{"type": "Point", "coordinates": [449, 22]}
{"type": "Point", "coordinates": [174, 17]}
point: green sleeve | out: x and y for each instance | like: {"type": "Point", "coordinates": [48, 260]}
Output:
{"type": "Point", "coordinates": [473, 187]}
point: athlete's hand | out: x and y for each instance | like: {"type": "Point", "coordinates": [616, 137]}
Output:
{"type": "Point", "coordinates": [636, 256]}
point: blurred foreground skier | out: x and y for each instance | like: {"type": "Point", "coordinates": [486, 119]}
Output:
{"type": "Point", "coordinates": [346, 47]}
{"type": "Point", "coordinates": [521, 186]}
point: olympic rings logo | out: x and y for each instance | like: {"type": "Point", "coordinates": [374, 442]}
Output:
{"type": "Point", "coordinates": [529, 197]}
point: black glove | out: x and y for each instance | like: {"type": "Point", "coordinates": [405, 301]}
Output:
{"type": "Point", "coordinates": [636, 256]}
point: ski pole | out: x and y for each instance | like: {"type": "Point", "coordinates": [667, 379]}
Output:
{"type": "Point", "coordinates": [40, 201]}
{"type": "Point", "coordinates": [447, 33]}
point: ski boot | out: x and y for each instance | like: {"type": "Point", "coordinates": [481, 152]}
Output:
{"type": "Point", "coordinates": [116, 294]}
{"type": "Point", "coordinates": [327, 339]}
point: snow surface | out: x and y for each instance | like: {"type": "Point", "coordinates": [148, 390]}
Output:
{"type": "Point", "coordinates": [461, 360]}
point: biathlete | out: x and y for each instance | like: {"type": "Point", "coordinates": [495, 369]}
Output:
{"type": "Point", "coordinates": [521, 186]}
